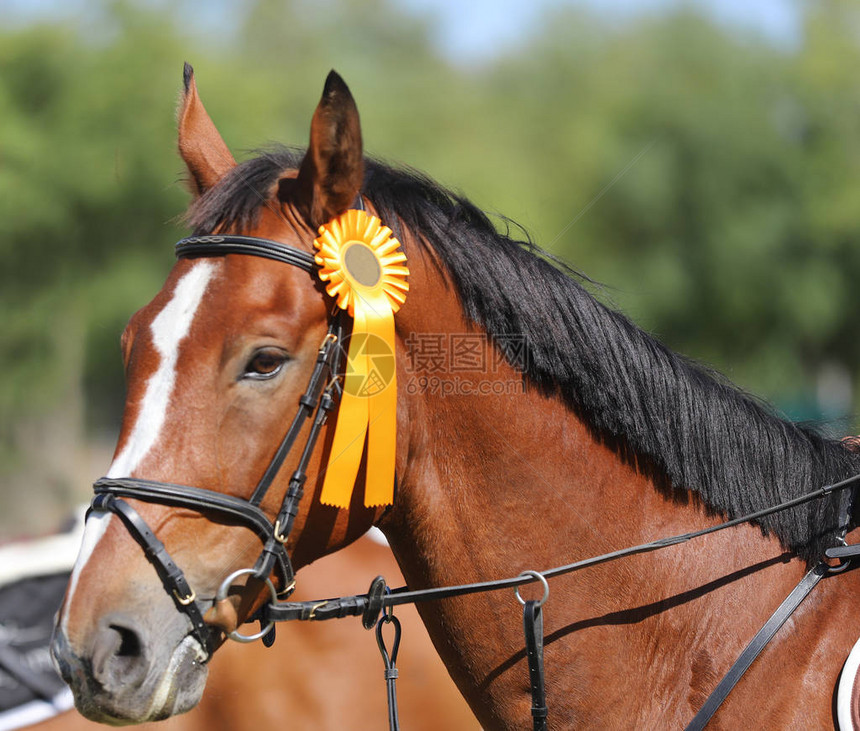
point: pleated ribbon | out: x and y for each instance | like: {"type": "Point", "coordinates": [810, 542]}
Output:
{"type": "Point", "coordinates": [365, 272]}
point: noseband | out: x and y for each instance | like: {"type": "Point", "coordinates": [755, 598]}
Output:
{"type": "Point", "coordinates": [319, 398]}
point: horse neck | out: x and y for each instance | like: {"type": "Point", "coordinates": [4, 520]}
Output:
{"type": "Point", "coordinates": [492, 485]}
{"type": "Point", "coordinates": [493, 475]}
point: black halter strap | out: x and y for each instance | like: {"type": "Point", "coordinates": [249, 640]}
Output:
{"type": "Point", "coordinates": [318, 400]}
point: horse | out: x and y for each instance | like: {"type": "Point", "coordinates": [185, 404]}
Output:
{"type": "Point", "coordinates": [323, 678]}
{"type": "Point", "coordinates": [534, 426]}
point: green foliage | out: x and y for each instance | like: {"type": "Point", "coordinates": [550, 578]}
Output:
{"type": "Point", "coordinates": [81, 190]}
{"type": "Point", "coordinates": [712, 180]}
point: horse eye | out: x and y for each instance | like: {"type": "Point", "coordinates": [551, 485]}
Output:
{"type": "Point", "coordinates": [265, 363]}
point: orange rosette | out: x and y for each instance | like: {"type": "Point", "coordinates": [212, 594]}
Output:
{"type": "Point", "coordinates": [364, 270]}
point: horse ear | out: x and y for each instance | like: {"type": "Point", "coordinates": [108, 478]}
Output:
{"type": "Point", "coordinates": [200, 145]}
{"type": "Point", "coordinates": [332, 170]}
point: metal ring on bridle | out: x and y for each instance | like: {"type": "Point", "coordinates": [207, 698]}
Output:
{"type": "Point", "coordinates": [540, 577]}
{"type": "Point", "coordinates": [221, 595]}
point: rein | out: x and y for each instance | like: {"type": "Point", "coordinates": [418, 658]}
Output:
{"type": "Point", "coordinates": [369, 605]}
{"type": "Point", "coordinates": [318, 400]}
{"type": "Point", "coordinates": [380, 598]}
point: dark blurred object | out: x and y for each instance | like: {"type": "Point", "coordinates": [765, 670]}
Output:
{"type": "Point", "coordinates": [27, 609]}
{"type": "Point", "coordinates": [33, 579]}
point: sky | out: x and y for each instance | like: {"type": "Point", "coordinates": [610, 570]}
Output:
{"type": "Point", "coordinates": [472, 31]}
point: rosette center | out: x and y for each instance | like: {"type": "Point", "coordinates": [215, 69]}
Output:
{"type": "Point", "coordinates": [362, 265]}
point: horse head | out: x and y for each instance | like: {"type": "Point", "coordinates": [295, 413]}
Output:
{"type": "Point", "coordinates": [216, 366]}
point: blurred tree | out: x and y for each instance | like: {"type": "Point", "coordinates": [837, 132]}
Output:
{"type": "Point", "coordinates": [85, 196]}
{"type": "Point", "coordinates": [710, 178]}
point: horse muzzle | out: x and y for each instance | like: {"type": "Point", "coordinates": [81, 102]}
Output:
{"type": "Point", "coordinates": [124, 673]}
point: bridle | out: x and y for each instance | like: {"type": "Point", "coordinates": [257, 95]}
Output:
{"type": "Point", "coordinates": [317, 401]}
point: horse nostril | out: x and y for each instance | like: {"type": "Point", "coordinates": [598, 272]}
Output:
{"type": "Point", "coordinates": [118, 654]}
{"type": "Point", "coordinates": [129, 644]}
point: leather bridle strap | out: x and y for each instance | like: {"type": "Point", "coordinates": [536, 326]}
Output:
{"type": "Point", "coordinates": [757, 644]}
{"type": "Point", "coordinates": [185, 496]}
{"type": "Point", "coordinates": [195, 498]}
{"type": "Point", "coordinates": [369, 605]}
{"type": "Point", "coordinates": [844, 554]}
{"type": "Point", "coordinates": [533, 629]}
{"type": "Point", "coordinates": [218, 245]}
{"type": "Point", "coordinates": [319, 395]}
{"type": "Point", "coordinates": [308, 401]}
{"type": "Point", "coordinates": [171, 575]}
{"type": "Point", "coordinates": [389, 658]}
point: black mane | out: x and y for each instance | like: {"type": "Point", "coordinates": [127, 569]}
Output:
{"type": "Point", "coordinates": [693, 429]}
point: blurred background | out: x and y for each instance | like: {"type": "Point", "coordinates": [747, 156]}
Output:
{"type": "Point", "coordinates": [700, 159]}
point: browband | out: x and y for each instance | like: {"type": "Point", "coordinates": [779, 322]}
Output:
{"type": "Point", "coordinates": [215, 245]}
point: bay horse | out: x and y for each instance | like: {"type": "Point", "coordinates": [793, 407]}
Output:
{"type": "Point", "coordinates": [534, 426]}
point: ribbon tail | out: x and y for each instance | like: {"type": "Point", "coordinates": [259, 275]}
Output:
{"type": "Point", "coordinates": [348, 443]}
{"type": "Point", "coordinates": [382, 405]}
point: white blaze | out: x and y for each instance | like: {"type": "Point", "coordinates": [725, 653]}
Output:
{"type": "Point", "coordinates": [94, 529]}
{"type": "Point", "coordinates": [169, 328]}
